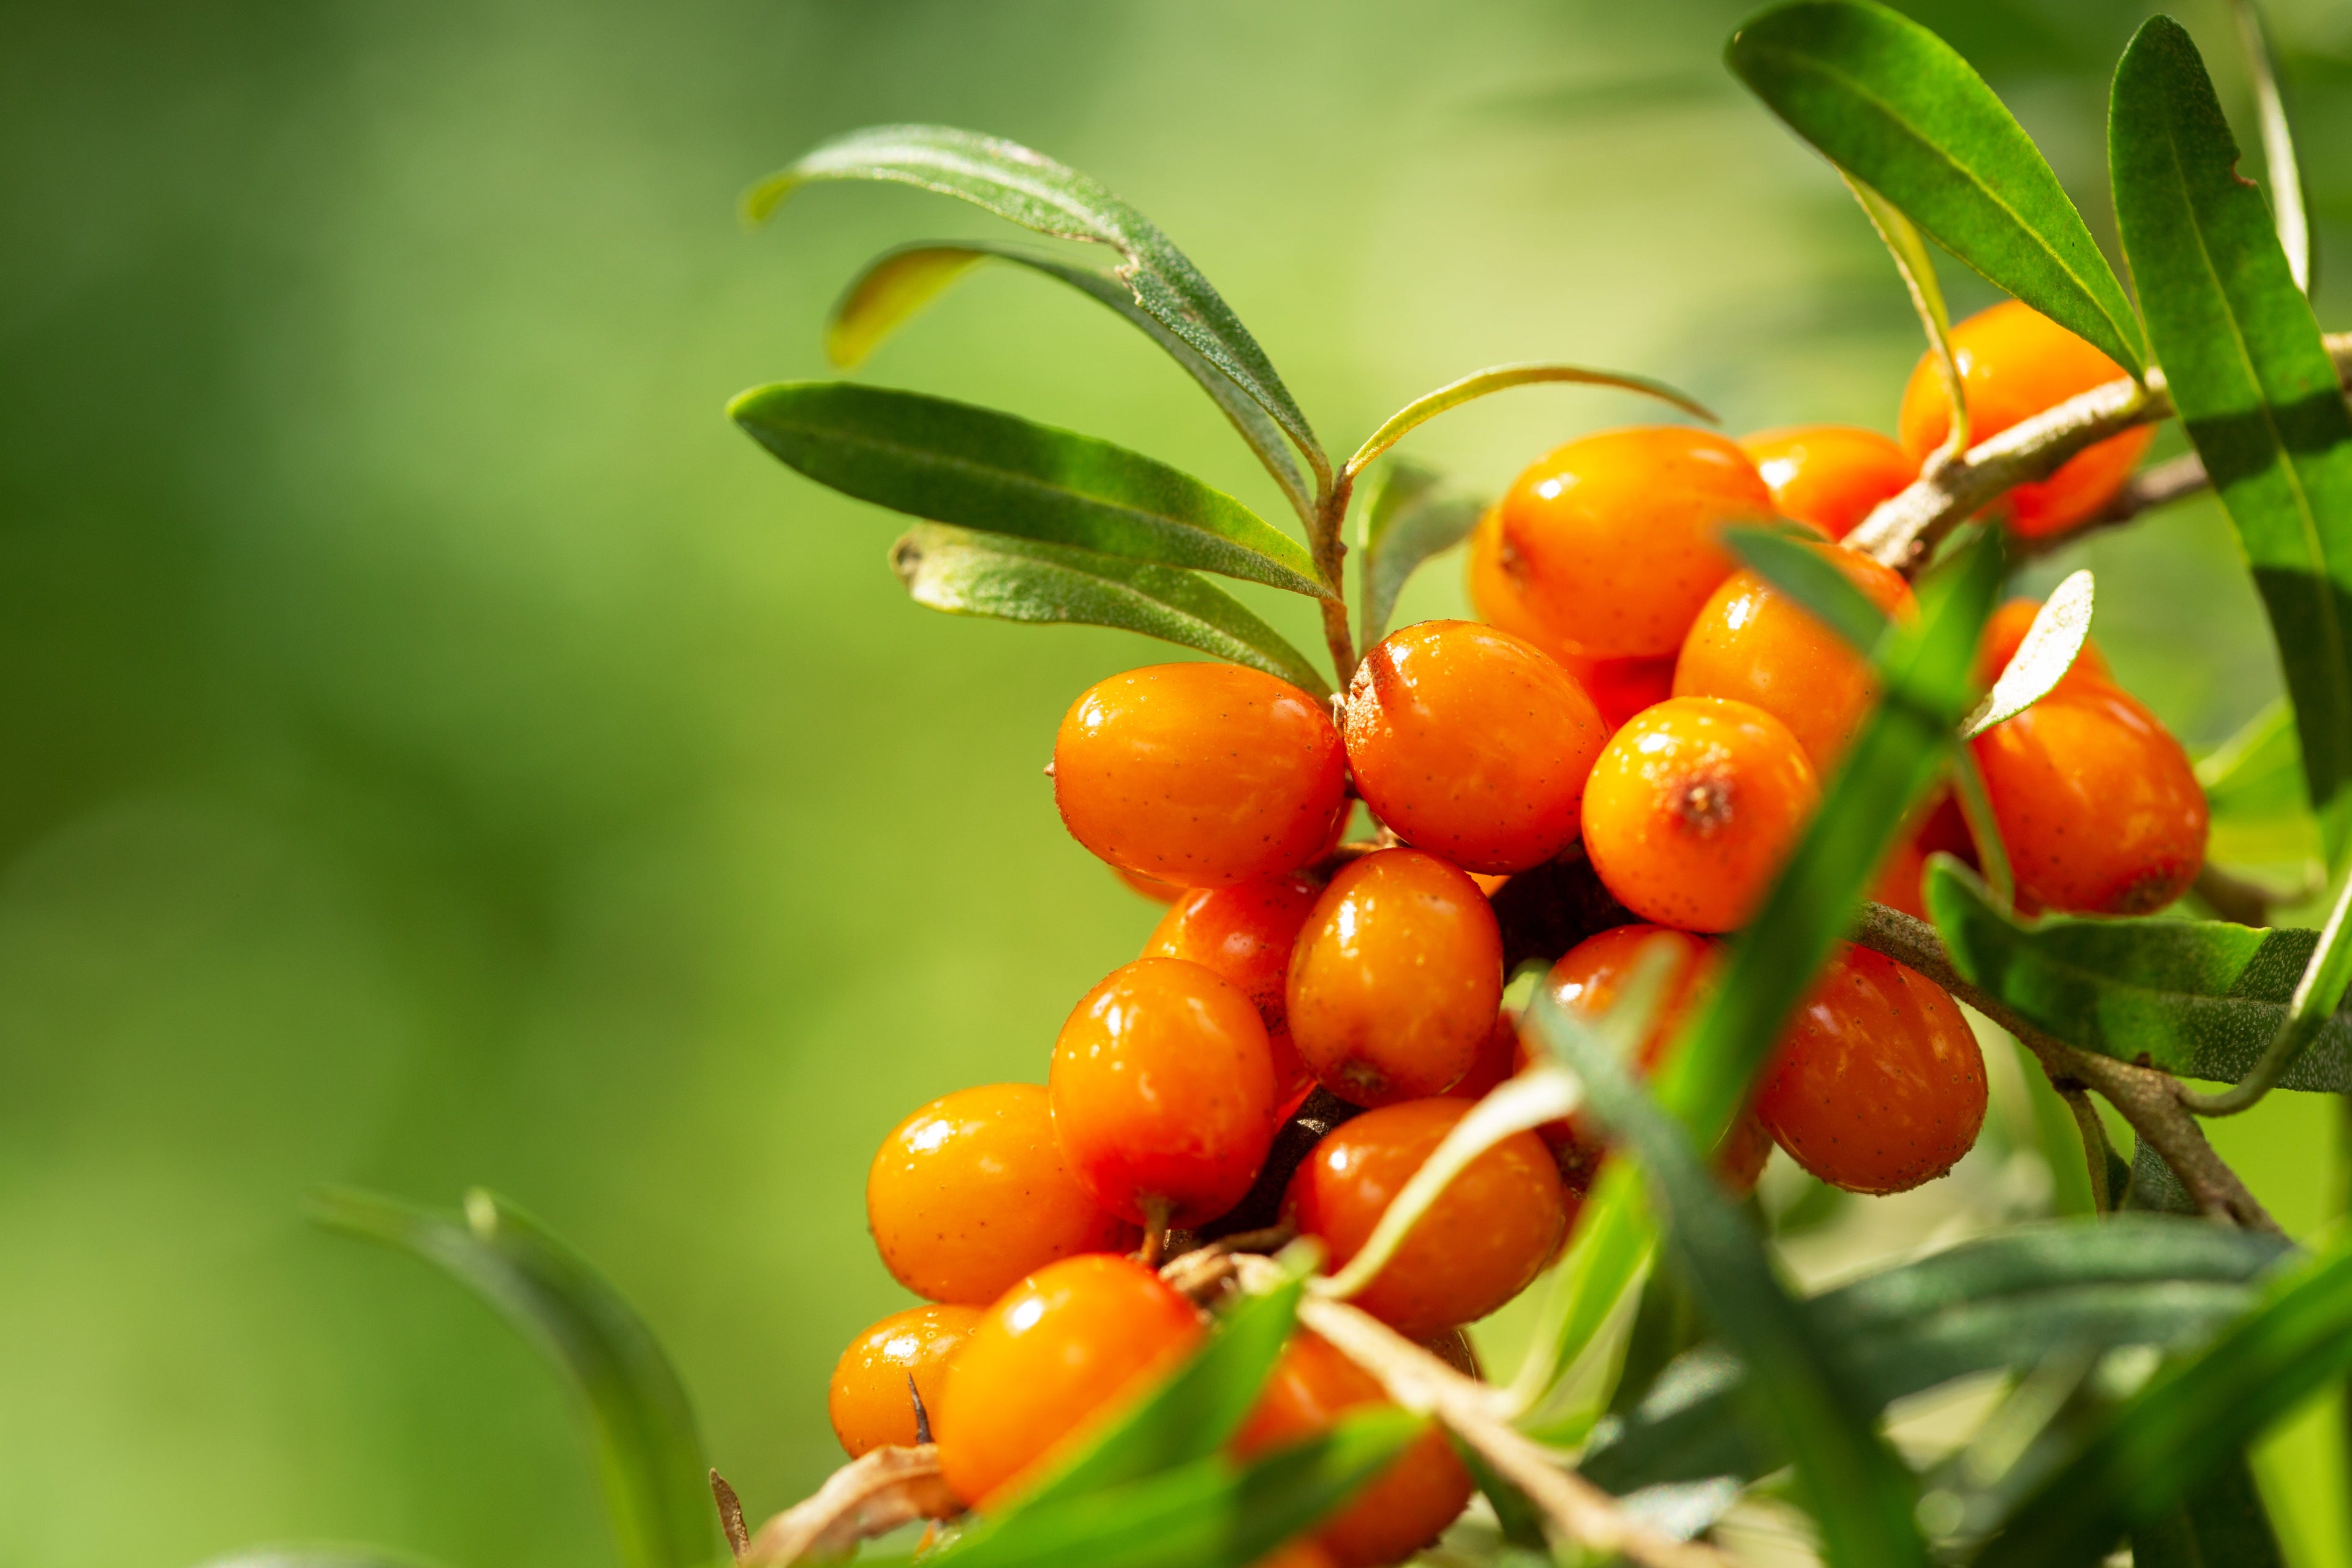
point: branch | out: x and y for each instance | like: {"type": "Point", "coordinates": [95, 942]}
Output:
{"type": "Point", "coordinates": [2151, 1102]}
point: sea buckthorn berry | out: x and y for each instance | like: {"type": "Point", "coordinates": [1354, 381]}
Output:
{"type": "Point", "coordinates": [1396, 978]}
{"type": "Point", "coordinates": [1754, 643]}
{"type": "Point", "coordinates": [972, 1191]}
{"type": "Point", "coordinates": [1611, 540]}
{"type": "Point", "coordinates": [1746, 1150]}
{"type": "Point", "coordinates": [1200, 774]}
{"type": "Point", "coordinates": [1245, 933]}
{"type": "Point", "coordinates": [1832, 475]}
{"type": "Point", "coordinates": [1471, 744]}
{"type": "Point", "coordinates": [1151, 888]}
{"type": "Point", "coordinates": [2016, 363]}
{"type": "Point", "coordinates": [1692, 809]}
{"type": "Point", "coordinates": [2097, 804]}
{"type": "Point", "coordinates": [1620, 688]}
{"type": "Point", "coordinates": [1163, 1093]}
{"type": "Point", "coordinates": [1878, 1084]}
{"type": "Point", "coordinates": [1496, 1060]}
{"type": "Point", "coordinates": [870, 1402]}
{"type": "Point", "coordinates": [1399, 1512]}
{"type": "Point", "coordinates": [1487, 1235]}
{"type": "Point", "coordinates": [2004, 633]}
{"type": "Point", "coordinates": [1053, 1358]}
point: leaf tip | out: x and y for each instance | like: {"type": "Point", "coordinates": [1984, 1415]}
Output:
{"type": "Point", "coordinates": [760, 202]}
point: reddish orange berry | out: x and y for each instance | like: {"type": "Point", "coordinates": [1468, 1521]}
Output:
{"type": "Point", "coordinates": [1471, 744]}
{"type": "Point", "coordinates": [1163, 1093]}
{"type": "Point", "coordinates": [1611, 540]}
{"type": "Point", "coordinates": [1402, 1509]}
{"type": "Point", "coordinates": [1245, 933]}
{"type": "Point", "coordinates": [870, 1401]}
{"type": "Point", "coordinates": [2016, 363]}
{"type": "Point", "coordinates": [2005, 631]}
{"type": "Point", "coordinates": [1746, 1150]}
{"type": "Point", "coordinates": [1876, 1085]}
{"type": "Point", "coordinates": [1620, 688]}
{"type": "Point", "coordinates": [1692, 809]}
{"type": "Point", "coordinates": [1396, 978]}
{"type": "Point", "coordinates": [971, 1192]}
{"type": "Point", "coordinates": [1479, 1244]}
{"type": "Point", "coordinates": [2097, 804]}
{"type": "Point", "coordinates": [1200, 774]}
{"type": "Point", "coordinates": [1496, 1060]}
{"type": "Point", "coordinates": [1052, 1360]}
{"type": "Point", "coordinates": [1754, 643]}
{"type": "Point", "coordinates": [1832, 475]}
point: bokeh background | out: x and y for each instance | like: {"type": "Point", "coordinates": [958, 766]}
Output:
{"type": "Point", "coordinates": [440, 749]}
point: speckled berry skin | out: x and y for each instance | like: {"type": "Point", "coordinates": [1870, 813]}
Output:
{"type": "Point", "coordinates": [1878, 1084]}
{"type": "Point", "coordinates": [1396, 979]}
{"type": "Point", "coordinates": [1832, 475]}
{"type": "Point", "coordinates": [1694, 807]}
{"type": "Point", "coordinates": [869, 1400]}
{"type": "Point", "coordinates": [1200, 774]}
{"type": "Point", "coordinates": [1471, 744]}
{"type": "Point", "coordinates": [1620, 688]}
{"type": "Point", "coordinates": [1245, 933]}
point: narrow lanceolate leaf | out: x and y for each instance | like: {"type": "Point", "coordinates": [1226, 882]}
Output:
{"type": "Point", "coordinates": [1030, 189]}
{"type": "Point", "coordinates": [901, 283]}
{"type": "Point", "coordinates": [2222, 1520]}
{"type": "Point", "coordinates": [2048, 651]}
{"type": "Point", "coordinates": [2198, 998]}
{"type": "Point", "coordinates": [1412, 517]}
{"type": "Point", "coordinates": [2251, 379]}
{"type": "Point", "coordinates": [969, 574]}
{"type": "Point", "coordinates": [2258, 772]}
{"type": "Point", "coordinates": [1499, 378]}
{"type": "Point", "coordinates": [649, 1456]}
{"type": "Point", "coordinates": [2279, 161]}
{"type": "Point", "coordinates": [2161, 1444]}
{"type": "Point", "coordinates": [951, 462]}
{"type": "Point", "coordinates": [1918, 269]}
{"type": "Point", "coordinates": [1895, 106]}
{"type": "Point", "coordinates": [1802, 1393]}
{"type": "Point", "coordinates": [2009, 1300]}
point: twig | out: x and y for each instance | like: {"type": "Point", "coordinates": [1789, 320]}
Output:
{"type": "Point", "coordinates": [2236, 899]}
{"type": "Point", "coordinates": [2094, 1142]}
{"type": "Point", "coordinates": [870, 1496]}
{"type": "Point", "coordinates": [2148, 1099]}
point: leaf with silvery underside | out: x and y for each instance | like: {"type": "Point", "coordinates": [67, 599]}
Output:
{"type": "Point", "coordinates": [895, 286]}
{"type": "Point", "coordinates": [951, 462]}
{"type": "Point", "coordinates": [2251, 379]}
{"type": "Point", "coordinates": [1033, 190]}
{"type": "Point", "coordinates": [2196, 998]}
{"type": "Point", "coordinates": [1896, 108]}
{"type": "Point", "coordinates": [1411, 517]}
{"type": "Point", "coordinates": [967, 572]}
{"type": "Point", "coordinates": [2047, 652]}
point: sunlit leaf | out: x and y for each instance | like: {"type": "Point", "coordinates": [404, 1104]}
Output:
{"type": "Point", "coordinates": [1917, 270]}
{"type": "Point", "coordinates": [971, 573]}
{"type": "Point", "coordinates": [2279, 162]}
{"type": "Point", "coordinates": [1411, 517]}
{"type": "Point", "coordinates": [1500, 378]}
{"type": "Point", "coordinates": [951, 462]}
{"type": "Point", "coordinates": [2251, 379]}
{"type": "Point", "coordinates": [1895, 106]}
{"type": "Point", "coordinates": [2051, 645]}
{"type": "Point", "coordinates": [649, 1456]}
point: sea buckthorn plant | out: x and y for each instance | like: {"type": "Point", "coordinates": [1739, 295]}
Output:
{"type": "Point", "coordinates": [1749, 779]}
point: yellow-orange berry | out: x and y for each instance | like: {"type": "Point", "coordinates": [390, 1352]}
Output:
{"type": "Point", "coordinates": [878, 1378]}
{"type": "Point", "coordinates": [1245, 933]}
{"type": "Point", "coordinates": [1832, 475]}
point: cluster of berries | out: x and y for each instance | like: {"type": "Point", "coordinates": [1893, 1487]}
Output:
{"type": "Point", "coordinates": [1311, 1017]}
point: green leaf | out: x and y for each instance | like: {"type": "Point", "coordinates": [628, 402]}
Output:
{"type": "Point", "coordinates": [1859, 1493]}
{"type": "Point", "coordinates": [898, 284]}
{"type": "Point", "coordinates": [2222, 1522]}
{"type": "Point", "coordinates": [649, 1456]}
{"type": "Point", "coordinates": [2196, 998]}
{"type": "Point", "coordinates": [951, 462]}
{"type": "Point", "coordinates": [1412, 517]}
{"type": "Point", "coordinates": [2280, 164]}
{"type": "Point", "coordinates": [2046, 653]}
{"type": "Point", "coordinates": [1030, 189]}
{"type": "Point", "coordinates": [2163, 1444]}
{"type": "Point", "coordinates": [1799, 565]}
{"type": "Point", "coordinates": [1917, 270]}
{"type": "Point", "coordinates": [2008, 1300]}
{"type": "Point", "coordinates": [968, 574]}
{"type": "Point", "coordinates": [1896, 108]}
{"type": "Point", "coordinates": [1500, 378]}
{"type": "Point", "coordinates": [2251, 379]}
{"type": "Point", "coordinates": [2258, 772]}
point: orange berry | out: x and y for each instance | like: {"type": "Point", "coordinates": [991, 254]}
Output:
{"type": "Point", "coordinates": [1620, 688]}
{"type": "Point", "coordinates": [1693, 807]}
{"type": "Point", "coordinates": [1878, 1084]}
{"type": "Point", "coordinates": [1496, 1060]}
{"type": "Point", "coordinates": [2005, 631]}
{"type": "Point", "coordinates": [1746, 1150]}
{"type": "Point", "coordinates": [1245, 933]}
{"type": "Point", "coordinates": [1471, 744]}
{"type": "Point", "coordinates": [1200, 774]}
{"type": "Point", "coordinates": [971, 1192]}
{"type": "Point", "coordinates": [1400, 1510]}
{"type": "Point", "coordinates": [1396, 978]}
{"type": "Point", "coordinates": [1053, 1359]}
{"type": "Point", "coordinates": [2097, 804]}
{"type": "Point", "coordinates": [1611, 540]}
{"type": "Point", "coordinates": [2016, 363]}
{"type": "Point", "coordinates": [1832, 475]}
{"type": "Point", "coordinates": [1490, 1234]}
{"type": "Point", "coordinates": [870, 1401]}
{"type": "Point", "coordinates": [1151, 888]}
{"type": "Point", "coordinates": [1755, 643]}
{"type": "Point", "coordinates": [1162, 1088]}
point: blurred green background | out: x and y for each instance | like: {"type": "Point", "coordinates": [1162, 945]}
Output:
{"type": "Point", "coordinates": [440, 750]}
